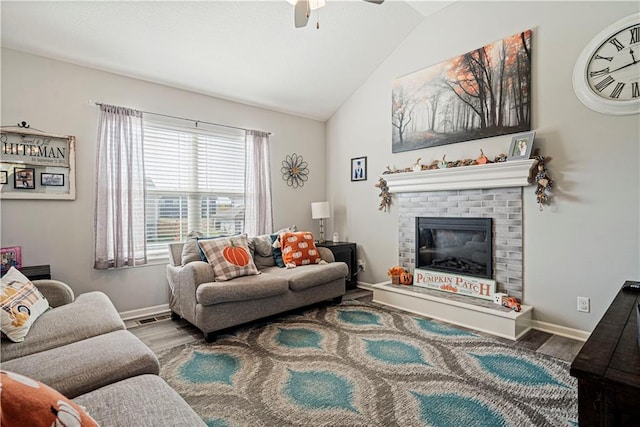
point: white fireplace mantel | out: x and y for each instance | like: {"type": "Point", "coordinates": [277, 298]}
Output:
{"type": "Point", "coordinates": [514, 173]}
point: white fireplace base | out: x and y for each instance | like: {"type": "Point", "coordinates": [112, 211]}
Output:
{"type": "Point", "coordinates": [481, 316]}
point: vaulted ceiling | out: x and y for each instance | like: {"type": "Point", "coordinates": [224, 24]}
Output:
{"type": "Point", "coordinates": [245, 51]}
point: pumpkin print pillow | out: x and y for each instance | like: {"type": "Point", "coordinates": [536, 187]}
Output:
{"type": "Point", "coordinates": [229, 256]}
{"type": "Point", "coordinates": [26, 402]}
{"type": "Point", "coordinates": [299, 249]}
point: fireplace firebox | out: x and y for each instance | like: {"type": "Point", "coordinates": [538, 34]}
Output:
{"type": "Point", "coordinates": [455, 245]}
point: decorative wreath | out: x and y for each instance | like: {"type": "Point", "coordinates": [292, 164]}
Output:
{"type": "Point", "coordinates": [294, 170]}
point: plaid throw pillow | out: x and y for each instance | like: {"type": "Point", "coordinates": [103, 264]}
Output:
{"type": "Point", "coordinates": [20, 305]}
{"type": "Point", "coordinates": [230, 257]}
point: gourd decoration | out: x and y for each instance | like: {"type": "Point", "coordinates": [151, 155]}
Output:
{"type": "Point", "coordinates": [482, 160]}
{"type": "Point", "coordinates": [406, 278]}
{"type": "Point", "coordinates": [443, 164]}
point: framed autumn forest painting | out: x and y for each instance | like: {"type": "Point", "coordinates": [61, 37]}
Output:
{"type": "Point", "coordinates": [483, 93]}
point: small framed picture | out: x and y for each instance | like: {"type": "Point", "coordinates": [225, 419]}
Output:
{"type": "Point", "coordinates": [52, 179]}
{"type": "Point", "coordinates": [521, 145]}
{"type": "Point", "coordinates": [3, 177]}
{"type": "Point", "coordinates": [359, 169]}
{"type": "Point", "coordinates": [10, 257]}
{"type": "Point", "coordinates": [24, 178]}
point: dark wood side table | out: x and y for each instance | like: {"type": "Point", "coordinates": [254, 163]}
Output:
{"type": "Point", "coordinates": [36, 272]}
{"type": "Point", "coordinates": [345, 252]}
{"type": "Point", "coordinates": [608, 367]}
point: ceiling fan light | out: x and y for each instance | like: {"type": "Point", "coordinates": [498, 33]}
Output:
{"type": "Point", "coordinates": [316, 4]}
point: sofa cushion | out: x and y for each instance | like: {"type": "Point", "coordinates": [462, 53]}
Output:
{"type": "Point", "coordinates": [310, 276]}
{"type": "Point", "coordinates": [27, 402]}
{"type": "Point", "coordinates": [20, 305]}
{"type": "Point", "coordinates": [190, 249]}
{"type": "Point", "coordinates": [91, 314]}
{"type": "Point", "coordinates": [229, 256]}
{"type": "Point", "coordinates": [88, 364]}
{"type": "Point", "coordinates": [242, 289]}
{"type": "Point", "coordinates": [145, 400]}
{"type": "Point", "coordinates": [261, 245]}
{"type": "Point", "coordinates": [299, 248]}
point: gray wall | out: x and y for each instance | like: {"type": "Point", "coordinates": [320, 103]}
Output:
{"type": "Point", "coordinates": [54, 96]}
{"type": "Point", "coordinates": [587, 242]}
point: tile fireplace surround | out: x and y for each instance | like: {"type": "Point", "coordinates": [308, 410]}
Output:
{"type": "Point", "coordinates": [485, 191]}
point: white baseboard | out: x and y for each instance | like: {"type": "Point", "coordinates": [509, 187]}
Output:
{"type": "Point", "coordinates": [369, 286]}
{"type": "Point", "coordinates": [562, 331]}
{"type": "Point", "coordinates": [144, 312]}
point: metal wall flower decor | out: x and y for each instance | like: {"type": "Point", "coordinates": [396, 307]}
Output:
{"type": "Point", "coordinates": [295, 170]}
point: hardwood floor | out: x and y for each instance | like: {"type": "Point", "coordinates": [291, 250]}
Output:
{"type": "Point", "coordinates": [161, 333]}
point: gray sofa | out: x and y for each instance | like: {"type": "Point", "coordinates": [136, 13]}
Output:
{"type": "Point", "coordinates": [80, 348]}
{"type": "Point", "coordinates": [213, 306]}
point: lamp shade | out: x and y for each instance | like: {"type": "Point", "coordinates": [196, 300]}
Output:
{"type": "Point", "coordinates": [320, 210]}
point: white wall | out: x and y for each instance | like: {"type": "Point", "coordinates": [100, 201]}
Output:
{"type": "Point", "coordinates": [54, 96]}
{"type": "Point", "coordinates": [587, 243]}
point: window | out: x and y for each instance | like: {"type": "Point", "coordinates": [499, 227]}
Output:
{"type": "Point", "coordinates": [194, 181]}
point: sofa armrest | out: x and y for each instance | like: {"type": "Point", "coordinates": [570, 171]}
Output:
{"type": "Point", "coordinates": [56, 292]}
{"type": "Point", "coordinates": [183, 283]}
{"type": "Point", "coordinates": [326, 254]}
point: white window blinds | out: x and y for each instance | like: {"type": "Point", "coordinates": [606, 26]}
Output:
{"type": "Point", "coordinates": [195, 181]}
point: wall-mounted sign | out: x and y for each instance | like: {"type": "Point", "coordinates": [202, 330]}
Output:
{"type": "Point", "coordinates": [37, 165]}
{"type": "Point", "coordinates": [455, 283]}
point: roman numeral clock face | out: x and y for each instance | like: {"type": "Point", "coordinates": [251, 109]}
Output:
{"type": "Point", "coordinates": [606, 77]}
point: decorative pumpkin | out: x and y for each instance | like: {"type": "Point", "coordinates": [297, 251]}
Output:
{"type": "Point", "coordinates": [406, 278]}
{"type": "Point", "coordinates": [236, 255]}
{"type": "Point", "coordinates": [482, 160]}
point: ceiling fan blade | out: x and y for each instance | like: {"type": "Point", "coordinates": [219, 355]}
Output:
{"type": "Point", "coordinates": [375, 1]}
{"type": "Point", "coordinates": [301, 13]}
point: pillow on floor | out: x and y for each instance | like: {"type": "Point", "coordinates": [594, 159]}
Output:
{"type": "Point", "coordinates": [26, 402]}
{"type": "Point", "coordinates": [299, 249]}
{"type": "Point", "coordinates": [230, 257]}
{"type": "Point", "coordinates": [20, 305]}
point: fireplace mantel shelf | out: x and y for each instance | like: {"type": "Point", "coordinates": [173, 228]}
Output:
{"type": "Point", "coordinates": [514, 173]}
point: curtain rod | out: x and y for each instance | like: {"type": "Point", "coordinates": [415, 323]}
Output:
{"type": "Point", "coordinates": [182, 118]}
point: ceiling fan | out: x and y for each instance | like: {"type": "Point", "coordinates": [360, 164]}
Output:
{"type": "Point", "coordinates": [302, 10]}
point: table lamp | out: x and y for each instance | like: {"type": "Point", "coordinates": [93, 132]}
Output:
{"type": "Point", "coordinates": [320, 210]}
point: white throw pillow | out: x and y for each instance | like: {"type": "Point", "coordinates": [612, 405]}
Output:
{"type": "Point", "coordinates": [20, 305]}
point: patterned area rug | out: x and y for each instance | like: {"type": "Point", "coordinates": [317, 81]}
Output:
{"type": "Point", "coordinates": [356, 364]}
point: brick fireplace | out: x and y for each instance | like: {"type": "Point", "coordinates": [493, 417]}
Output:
{"type": "Point", "coordinates": [503, 205]}
{"type": "Point", "coordinates": [482, 191]}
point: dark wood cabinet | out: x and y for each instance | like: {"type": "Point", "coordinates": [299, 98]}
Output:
{"type": "Point", "coordinates": [608, 367]}
{"type": "Point", "coordinates": [345, 252]}
{"type": "Point", "coordinates": [36, 272]}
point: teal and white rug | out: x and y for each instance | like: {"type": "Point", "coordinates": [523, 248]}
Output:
{"type": "Point", "coordinates": [356, 364]}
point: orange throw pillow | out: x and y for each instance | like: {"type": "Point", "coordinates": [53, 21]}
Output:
{"type": "Point", "coordinates": [299, 249]}
{"type": "Point", "coordinates": [27, 402]}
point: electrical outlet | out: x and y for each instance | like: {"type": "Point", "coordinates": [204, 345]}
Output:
{"type": "Point", "coordinates": [361, 264]}
{"type": "Point", "coordinates": [583, 304]}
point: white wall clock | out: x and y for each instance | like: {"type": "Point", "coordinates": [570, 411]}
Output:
{"type": "Point", "coordinates": [606, 77]}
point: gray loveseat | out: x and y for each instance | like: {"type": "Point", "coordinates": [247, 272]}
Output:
{"type": "Point", "coordinates": [213, 306]}
{"type": "Point", "coordinates": [80, 348]}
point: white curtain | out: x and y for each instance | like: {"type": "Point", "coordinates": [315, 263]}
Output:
{"type": "Point", "coordinates": [258, 213]}
{"type": "Point", "coordinates": [120, 237]}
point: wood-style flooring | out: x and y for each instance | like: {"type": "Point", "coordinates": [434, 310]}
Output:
{"type": "Point", "coordinates": [161, 333]}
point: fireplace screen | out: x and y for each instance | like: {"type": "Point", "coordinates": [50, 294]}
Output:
{"type": "Point", "coordinates": [455, 245]}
